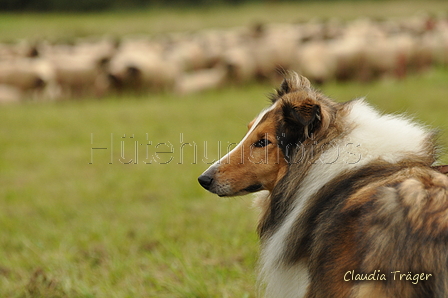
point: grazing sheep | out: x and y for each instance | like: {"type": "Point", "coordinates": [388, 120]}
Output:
{"type": "Point", "coordinates": [200, 80]}
{"type": "Point", "coordinates": [188, 55]}
{"type": "Point", "coordinates": [79, 75]}
{"type": "Point", "coordinates": [142, 70]}
{"type": "Point", "coordinates": [363, 49]}
{"type": "Point", "coordinates": [240, 64]}
{"type": "Point", "coordinates": [33, 77]}
{"type": "Point", "coordinates": [317, 62]}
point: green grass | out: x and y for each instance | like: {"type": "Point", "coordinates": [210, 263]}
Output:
{"type": "Point", "coordinates": [75, 229]}
{"type": "Point", "coordinates": [115, 24]}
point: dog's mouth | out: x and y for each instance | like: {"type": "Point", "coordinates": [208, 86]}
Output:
{"type": "Point", "coordinates": [250, 189]}
{"type": "Point", "coordinates": [253, 188]}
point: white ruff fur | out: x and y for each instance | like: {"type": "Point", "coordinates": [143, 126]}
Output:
{"type": "Point", "coordinates": [372, 136]}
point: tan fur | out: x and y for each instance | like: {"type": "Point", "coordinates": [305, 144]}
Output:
{"type": "Point", "coordinates": [256, 165]}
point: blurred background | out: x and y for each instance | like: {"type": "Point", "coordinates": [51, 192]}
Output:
{"type": "Point", "coordinates": [60, 55]}
{"type": "Point", "coordinates": [110, 110]}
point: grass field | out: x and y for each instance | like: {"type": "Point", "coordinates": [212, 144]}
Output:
{"type": "Point", "coordinates": [73, 226]}
{"type": "Point", "coordinates": [66, 27]}
{"type": "Point", "coordinates": [131, 220]}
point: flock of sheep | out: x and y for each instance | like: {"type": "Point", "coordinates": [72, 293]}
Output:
{"type": "Point", "coordinates": [362, 49]}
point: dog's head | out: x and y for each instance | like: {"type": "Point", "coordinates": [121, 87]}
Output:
{"type": "Point", "coordinates": [298, 114]}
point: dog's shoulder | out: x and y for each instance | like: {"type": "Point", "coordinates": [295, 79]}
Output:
{"type": "Point", "coordinates": [407, 211]}
{"type": "Point", "coordinates": [424, 198]}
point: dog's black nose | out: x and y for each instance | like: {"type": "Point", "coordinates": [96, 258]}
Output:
{"type": "Point", "coordinates": [205, 181]}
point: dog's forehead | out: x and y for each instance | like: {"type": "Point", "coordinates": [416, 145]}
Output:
{"type": "Point", "coordinates": [266, 121]}
{"type": "Point", "coordinates": [266, 116]}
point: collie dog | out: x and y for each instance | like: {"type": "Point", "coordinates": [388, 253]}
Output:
{"type": "Point", "coordinates": [353, 206]}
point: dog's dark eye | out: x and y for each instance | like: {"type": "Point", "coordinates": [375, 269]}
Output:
{"type": "Point", "coordinates": [261, 143]}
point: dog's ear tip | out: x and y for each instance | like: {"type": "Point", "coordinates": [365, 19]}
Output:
{"type": "Point", "coordinates": [294, 81]}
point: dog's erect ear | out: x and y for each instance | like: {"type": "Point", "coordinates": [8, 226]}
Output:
{"type": "Point", "coordinates": [305, 117]}
{"type": "Point", "coordinates": [304, 114]}
{"type": "Point", "coordinates": [299, 123]}
{"type": "Point", "coordinates": [291, 82]}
